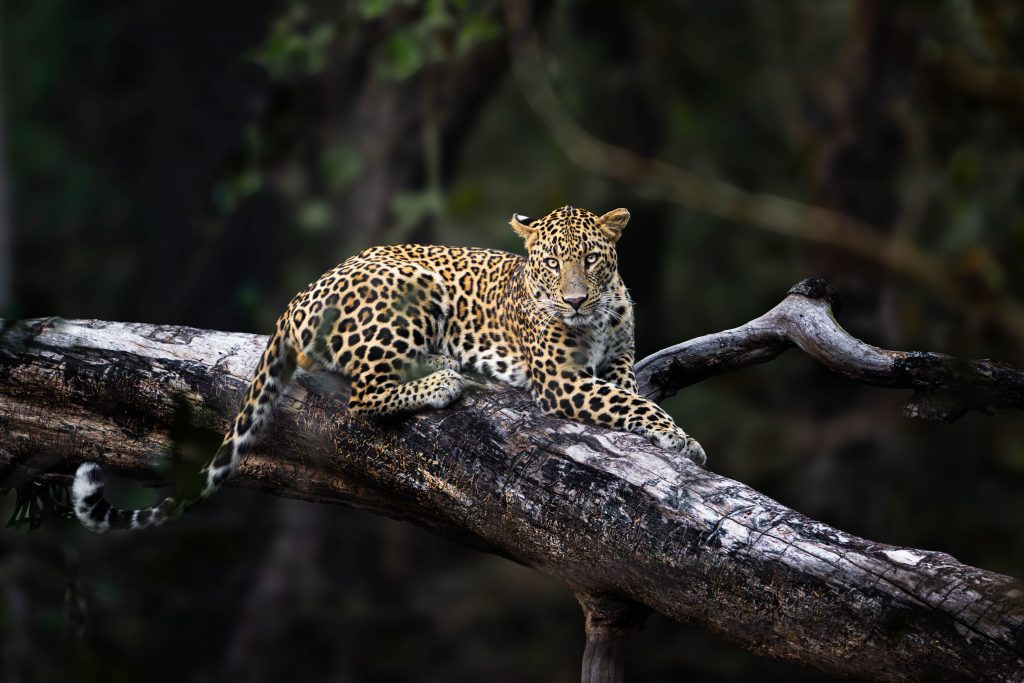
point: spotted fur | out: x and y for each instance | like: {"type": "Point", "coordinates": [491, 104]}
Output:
{"type": "Point", "coordinates": [403, 323]}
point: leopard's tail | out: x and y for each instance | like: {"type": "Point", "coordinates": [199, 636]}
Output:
{"type": "Point", "coordinates": [272, 375]}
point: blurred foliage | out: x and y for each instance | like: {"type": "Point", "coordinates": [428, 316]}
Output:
{"type": "Point", "coordinates": [197, 163]}
{"type": "Point", "coordinates": [295, 46]}
{"type": "Point", "coordinates": [442, 31]}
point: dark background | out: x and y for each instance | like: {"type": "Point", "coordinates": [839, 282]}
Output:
{"type": "Point", "coordinates": [199, 162]}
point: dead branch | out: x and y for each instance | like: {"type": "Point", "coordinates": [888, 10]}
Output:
{"type": "Point", "coordinates": [945, 388]}
{"type": "Point", "coordinates": [630, 527]}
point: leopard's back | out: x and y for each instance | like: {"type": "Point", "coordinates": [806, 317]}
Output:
{"type": "Point", "coordinates": [399, 304]}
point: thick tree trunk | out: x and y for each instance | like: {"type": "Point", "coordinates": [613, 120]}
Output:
{"type": "Point", "coordinates": [627, 525]}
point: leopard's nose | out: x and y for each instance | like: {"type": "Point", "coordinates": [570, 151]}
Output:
{"type": "Point", "coordinates": [575, 302]}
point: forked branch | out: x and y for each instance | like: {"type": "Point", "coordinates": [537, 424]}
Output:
{"type": "Point", "coordinates": [945, 387]}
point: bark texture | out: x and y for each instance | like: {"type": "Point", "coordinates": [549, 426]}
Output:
{"type": "Point", "coordinates": [945, 387]}
{"type": "Point", "coordinates": [627, 525]}
{"type": "Point", "coordinates": [610, 623]}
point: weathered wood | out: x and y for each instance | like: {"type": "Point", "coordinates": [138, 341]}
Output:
{"type": "Point", "coordinates": [605, 511]}
{"type": "Point", "coordinates": [610, 623]}
{"type": "Point", "coordinates": [945, 387]}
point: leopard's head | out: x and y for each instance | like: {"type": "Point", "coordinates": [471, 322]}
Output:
{"type": "Point", "coordinates": [571, 271]}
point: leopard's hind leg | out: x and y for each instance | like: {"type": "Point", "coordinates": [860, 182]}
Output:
{"type": "Point", "coordinates": [384, 394]}
{"type": "Point", "coordinates": [387, 379]}
{"type": "Point", "coordinates": [390, 383]}
{"type": "Point", "coordinates": [379, 326]}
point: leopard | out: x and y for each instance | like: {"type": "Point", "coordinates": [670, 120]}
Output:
{"type": "Point", "coordinates": [406, 324]}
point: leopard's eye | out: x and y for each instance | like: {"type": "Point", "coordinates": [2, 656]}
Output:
{"type": "Point", "coordinates": [591, 259]}
{"type": "Point", "coordinates": [551, 263]}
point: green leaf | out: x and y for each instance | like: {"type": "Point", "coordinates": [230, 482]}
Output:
{"type": "Point", "coordinates": [374, 9]}
{"type": "Point", "coordinates": [292, 48]}
{"type": "Point", "coordinates": [402, 56]}
{"type": "Point", "coordinates": [476, 30]}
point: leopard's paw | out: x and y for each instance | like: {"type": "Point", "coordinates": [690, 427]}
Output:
{"type": "Point", "coordinates": [694, 451]}
{"type": "Point", "coordinates": [446, 387]}
{"type": "Point", "coordinates": [679, 441]}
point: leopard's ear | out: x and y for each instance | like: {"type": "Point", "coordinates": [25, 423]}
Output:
{"type": "Point", "coordinates": [521, 224]}
{"type": "Point", "coordinates": [613, 222]}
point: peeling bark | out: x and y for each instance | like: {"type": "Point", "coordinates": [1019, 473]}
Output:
{"type": "Point", "coordinates": [627, 525]}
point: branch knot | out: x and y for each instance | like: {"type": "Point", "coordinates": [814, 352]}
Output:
{"type": "Point", "coordinates": [816, 288]}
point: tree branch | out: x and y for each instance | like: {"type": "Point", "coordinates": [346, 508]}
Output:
{"type": "Point", "coordinates": [945, 388]}
{"type": "Point", "coordinates": [623, 522]}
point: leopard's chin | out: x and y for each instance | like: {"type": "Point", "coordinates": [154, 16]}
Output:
{"type": "Point", "coordinates": [578, 319]}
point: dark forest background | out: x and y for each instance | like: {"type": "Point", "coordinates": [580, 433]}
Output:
{"type": "Point", "coordinates": [196, 163]}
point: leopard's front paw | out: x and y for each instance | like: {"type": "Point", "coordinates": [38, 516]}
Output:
{"type": "Point", "coordinates": [694, 451]}
{"type": "Point", "coordinates": [681, 442]}
{"type": "Point", "coordinates": [446, 386]}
